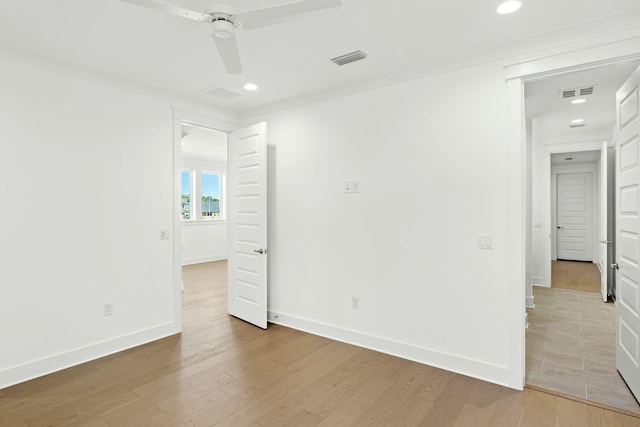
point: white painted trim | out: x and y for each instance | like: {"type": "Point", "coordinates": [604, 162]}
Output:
{"type": "Point", "coordinates": [523, 55]}
{"type": "Point", "coordinates": [542, 285]}
{"type": "Point", "coordinates": [516, 231]}
{"type": "Point", "coordinates": [200, 260]}
{"type": "Point", "coordinates": [538, 279]}
{"type": "Point", "coordinates": [615, 48]}
{"type": "Point", "coordinates": [177, 223]}
{"type": "Point", "coordinates": [586, 54]}
{"type": "Point", "coordinates": [529, 303]}
{"type": "Point", "coordinates": [451, 362]}
{"type": "Point", "coordinates": [204, 120]}
{"type": "Point", "coordinates": [16, 54]}
{"type": "Point", "coordinates": [37, 368]}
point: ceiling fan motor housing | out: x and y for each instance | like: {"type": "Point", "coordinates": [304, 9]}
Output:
{"type": "Point", "coordinates": [222, 27]}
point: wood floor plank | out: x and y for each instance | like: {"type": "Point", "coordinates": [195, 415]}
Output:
{"type": "Point", "coordinates": [571, 414]}
{"type": "Point", "coordinates": [355, 406]}
{"type": "Point", "coordinates": [382, 410]}
{"type": "Point", "coordinates": [222, 372]}
{"type": "Point", "coordinates": [539, 409]}
{"type": "Point", "coordinates": [450, 402]}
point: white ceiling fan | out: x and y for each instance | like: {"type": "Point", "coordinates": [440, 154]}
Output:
{"type": "Point", "coordinates": [225, 21]}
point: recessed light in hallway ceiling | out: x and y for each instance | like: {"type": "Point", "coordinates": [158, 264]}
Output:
{"type": "Point", "coordinates": [509, 7]}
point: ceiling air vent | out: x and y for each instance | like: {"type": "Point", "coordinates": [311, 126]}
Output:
{"type": "Point", "coordinates": [576, 91]}
{"type": "Point", "coordinates": [349, 58]}
{"type": "Point", "coordinates": [221, 93]}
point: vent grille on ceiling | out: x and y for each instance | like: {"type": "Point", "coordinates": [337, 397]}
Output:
{"type": "Point", "coordinates": [578, 91]}
{"type": "Point", "coordinates": [220, 92]}
{"type": "Point", "coordinates": [349, 58]}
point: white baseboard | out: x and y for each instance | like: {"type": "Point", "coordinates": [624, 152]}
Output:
{"type": "Point", "coordinates": [543, 285]}
{"type": "Point", "coordinates": [540, 281]}
{"type": "Point", "coordinates": [200, 260]}
{"type": "Point", "coordinates": [529, 302]}
{"type": "Point", "coordinates": [451, 362]}
{"type": "Point", "coordinates": [58, 362]}
{"type": "Point", "coordinates": [526, 320]}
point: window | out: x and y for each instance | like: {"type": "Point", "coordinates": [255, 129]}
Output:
{"type": "Point", "coordinates": [202, 194]}
{"type": "Point", "coordinates": [210, 208]}
{"type": "Point", "coordinates": [185, 189]}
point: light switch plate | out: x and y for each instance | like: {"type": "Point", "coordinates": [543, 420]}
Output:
{"type": "Point", "coordinates": [484, 242]}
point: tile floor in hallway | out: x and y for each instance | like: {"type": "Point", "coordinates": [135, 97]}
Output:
{"type": "Point", "coordinates": [570, 347]}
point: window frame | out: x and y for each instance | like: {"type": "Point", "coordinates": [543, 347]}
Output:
{"type": "Point", "coordinates": [196, 194]}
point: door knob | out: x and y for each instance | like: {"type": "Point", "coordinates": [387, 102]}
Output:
{"type": "Point", "coordinates": [615, 266]}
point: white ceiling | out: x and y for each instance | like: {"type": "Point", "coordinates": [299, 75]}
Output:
{"type": "Point", "coordinates": [578, 157]}
{"type": "Point", "coordinates": [290, 59]}
{"type": "Point", "coordinates": [553, 114]}
{"type": "Point", "coordinates": [204, 143]}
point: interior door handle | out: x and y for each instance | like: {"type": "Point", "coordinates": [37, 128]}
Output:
{"type": "Point", "coordinates": [260, 251]}
{"type": "Point", "coordinates": [560, 228]}
{"type": "Point", "coordinates": [615, 266]}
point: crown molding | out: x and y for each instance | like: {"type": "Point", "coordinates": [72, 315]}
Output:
{"type": "Point", "coordinates": [603, 30]}
{"type": "Point", "coordinates": [178, 101]}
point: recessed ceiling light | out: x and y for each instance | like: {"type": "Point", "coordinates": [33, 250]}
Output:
{"type": "Point", "coordinates": [509, 7]}
{"type": "Point", "coordinates": [577, 121]}
{"type": "Point", "coordinates": [250, 86]}
{"type": "Point", "coordinates": [579, 101]}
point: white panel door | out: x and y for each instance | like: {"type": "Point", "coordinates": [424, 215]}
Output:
{"type": "Point", "coordinates": [627, 136]}
{"type": "Point", "coordinates": [574, 216]}
{"type": "Point", "coordinates": [247, 224]}
{"type": "Point", "coordinates": [604, 242]}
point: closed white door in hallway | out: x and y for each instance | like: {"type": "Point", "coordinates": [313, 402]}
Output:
{"type": "Point", "coordinates": [574, 216]}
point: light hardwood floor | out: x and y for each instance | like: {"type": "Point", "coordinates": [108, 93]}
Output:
{"type": "Point", "coordinates": [579, 276]}
{"type": "Point", "coordinates": [224, 372]}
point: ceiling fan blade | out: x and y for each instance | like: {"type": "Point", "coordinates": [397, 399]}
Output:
{"type": "Point", "coordinates": [228, 48]}
{"type": "Point", "coordinates": [271, 15]}
{"type": "Point", "coordinates": [171, 9]}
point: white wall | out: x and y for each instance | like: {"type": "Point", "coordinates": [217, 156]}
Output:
{"type": "Point", "coordinates": [430, 157]}
{"type": "Point", "coordinates": [87, 178]}
{"type": "Point", "coordinates": [204, 240]}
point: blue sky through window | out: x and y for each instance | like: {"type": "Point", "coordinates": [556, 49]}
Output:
{"type": "Point", "coordinates": [211, 185]}
{"type": "Point", "coordinates": [185, 182]}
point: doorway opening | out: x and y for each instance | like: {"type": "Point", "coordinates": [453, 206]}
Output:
{"type": "Point", "coordinates": [570, 339]}
{"type": "Point", "coordinates": [230, 200]}
{"type": "Point", "coordinates": [203, 194]}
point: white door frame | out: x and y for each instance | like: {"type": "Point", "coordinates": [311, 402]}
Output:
{"type": "Point", "coordinates": [181, 117]}
{"type": "Point", "coordinates": [590, 53]}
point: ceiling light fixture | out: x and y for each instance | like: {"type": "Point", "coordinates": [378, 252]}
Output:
{"type": "Point", "coordinates": [575, 121]}
{"type": "Point", "coordinates": [250, 86]}
{"type": "Point", "coordinates": [509, 7]}
{"type": "Point", "coordinates": [579, 101]}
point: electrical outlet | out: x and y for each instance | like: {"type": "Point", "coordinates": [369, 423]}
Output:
{"type": "Point", "coordinates": [108, 309]}
{"type": "Point", "coordinates": [355, 303]}
{"type": "Point", "coordinates": [164, 234]}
